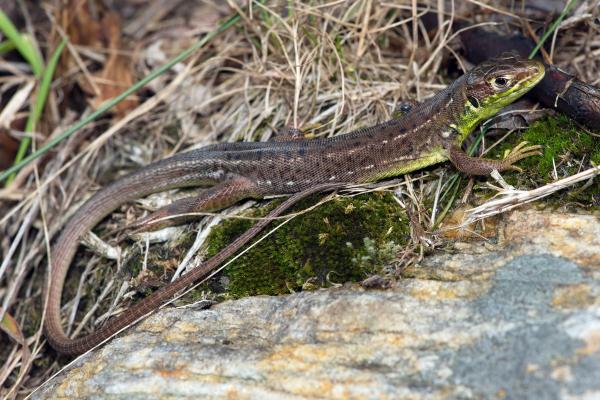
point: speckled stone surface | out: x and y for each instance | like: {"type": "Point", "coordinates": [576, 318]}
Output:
{"type": "Point", "coordinates": [517, 320]}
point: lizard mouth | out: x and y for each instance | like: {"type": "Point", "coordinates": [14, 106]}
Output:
{"type": "Point", "coordinates": [497, 75]}
{"type": "Point", "coordinates": [533, 72]}
{"type": "Point", "coordinates": [526, 74]}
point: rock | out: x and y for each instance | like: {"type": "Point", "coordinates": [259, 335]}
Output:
{"type": "Point", "coordinates": [520, 319]}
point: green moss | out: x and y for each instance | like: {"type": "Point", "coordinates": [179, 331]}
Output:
{"type": "Point", "coordinates": [346, 239]}
{"type": "Point", "coordinates": [567, 149]}
{"type": "Point", "coordinates": [562, 140]}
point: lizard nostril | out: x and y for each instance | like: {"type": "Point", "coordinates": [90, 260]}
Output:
{"type": "Point", "coordinates": [538, 68]}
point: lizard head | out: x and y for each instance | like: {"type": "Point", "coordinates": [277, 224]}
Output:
{"type": "Point", "coordinates": [495, 84]}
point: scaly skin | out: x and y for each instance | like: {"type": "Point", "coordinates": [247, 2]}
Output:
{"type": "Point", "coordinates": [430, 133]}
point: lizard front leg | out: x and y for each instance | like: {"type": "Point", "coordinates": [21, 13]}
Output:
{"type": "Point", "coordinates": [180, 211]}
{"type": "Point", "coordinates": [483, 166]}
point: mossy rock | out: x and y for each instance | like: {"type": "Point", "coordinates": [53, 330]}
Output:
{"type": "Point", "coordinates": [345, 239]}
{"type": "Point", "coordinates": [563, 141]}
{"type": "Point", "coordinates": [566, 148]}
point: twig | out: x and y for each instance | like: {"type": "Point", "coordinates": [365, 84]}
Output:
{"type": "Point", "coordinates": [508, 199]}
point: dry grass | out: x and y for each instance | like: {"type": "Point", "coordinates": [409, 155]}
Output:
{"type": "Point", "coordinates": [328, 67]}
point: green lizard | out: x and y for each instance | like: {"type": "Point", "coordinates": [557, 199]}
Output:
{"type": "Point", "coordinates": [430, 133]}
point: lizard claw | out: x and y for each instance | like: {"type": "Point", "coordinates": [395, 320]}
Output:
{"type": "Point", "coordinates": [514, 168]}
{"type": "Point", "coordinates": [519, 152]}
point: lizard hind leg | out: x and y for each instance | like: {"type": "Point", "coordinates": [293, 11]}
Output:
{"type": "Point", "coordinates": [483, 166]}
{"type": "Point", "coordinates": [187, 209]}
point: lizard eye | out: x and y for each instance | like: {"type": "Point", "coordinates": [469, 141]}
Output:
{"type": "Point", "coordinates": [500, 81]}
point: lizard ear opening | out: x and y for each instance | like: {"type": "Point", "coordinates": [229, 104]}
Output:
{"type": "Point", "coordinates": [473, 100]}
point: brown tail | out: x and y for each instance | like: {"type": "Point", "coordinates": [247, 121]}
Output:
{"type": "Point", "coordinates": [88, 216]}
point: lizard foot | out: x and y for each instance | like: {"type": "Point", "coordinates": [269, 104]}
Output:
{"type": "Point", "coordinates": [519, 152]}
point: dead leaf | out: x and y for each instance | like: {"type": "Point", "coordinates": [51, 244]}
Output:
{"type": "Point", "coordinates": [90, 23]}
{"type": "Point", "coordinates": [117, 74]}
{"type": "Point", "coordinates": [11, 328]}
{"type": "Point", "coordinates": [81, 27]}
{"type": "Point", "coordinates": [8, 149]}
{"type": "Point", "coordinates": [9, 325]}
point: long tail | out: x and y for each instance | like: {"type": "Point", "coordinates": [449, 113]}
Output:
{"type": "Point", "coordinates": [177, 171]}
{"type": "Point", "coordinates": [160, 176]}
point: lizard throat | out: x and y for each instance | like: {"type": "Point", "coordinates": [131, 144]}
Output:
{"type": "Point", "coordinates": [474, 115]}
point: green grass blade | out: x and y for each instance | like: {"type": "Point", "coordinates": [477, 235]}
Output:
{"type": "Point", "coordinates": [6, 46]}
{"type": "Point", "coordinates": [112, 102]}
{"type": "Point", "coordinates": [40, 102]}
{"type": "Point", "coordinates": [553, 27]}
{"type": "Point", "coordinates": [23, 45]}
{"type": "Point", "coordinates": [46, 82]}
